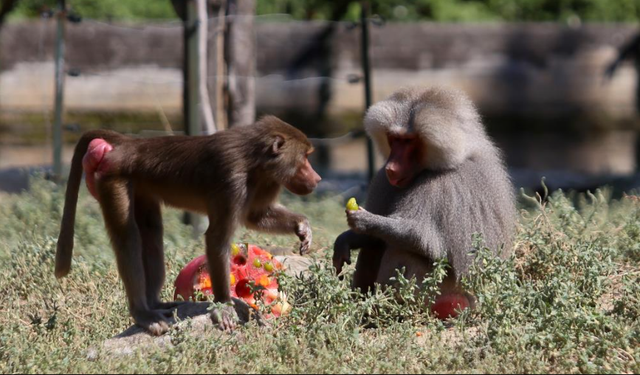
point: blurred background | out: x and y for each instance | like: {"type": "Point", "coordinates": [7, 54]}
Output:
{"type": "Point", "coordinates": [556, 81]}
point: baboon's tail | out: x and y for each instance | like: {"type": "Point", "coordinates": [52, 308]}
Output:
{"type": "Point", "coordinates": [64, 250]}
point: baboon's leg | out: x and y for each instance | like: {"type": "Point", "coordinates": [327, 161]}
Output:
{"type": "Point", "coordinates": [218, 241]}
{"type": "Point", "coordinates": [367, 267]}
{"type": "Point", "coordinates": [149, 221]}
{"type": "Point", "coordinates": [116, 200]}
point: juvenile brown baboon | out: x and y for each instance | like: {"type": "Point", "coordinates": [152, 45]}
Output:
{"type": "Point", "coordinates": [443, 181]}
{"type": "Point", "coordinates": [234, 177]}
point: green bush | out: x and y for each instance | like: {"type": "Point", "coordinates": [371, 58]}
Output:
{"type": "Point", "coordinates": [394, 10]}
{"type": "Point", "coordinates": [102, 9]}
{"type": "Point", "coordinates": [466, 10]}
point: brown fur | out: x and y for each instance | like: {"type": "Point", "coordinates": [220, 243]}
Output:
{"type": "Point", "coordinates": [234, 177]}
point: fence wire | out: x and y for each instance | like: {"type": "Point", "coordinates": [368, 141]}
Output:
{"type": "Point", "coordinates": [283, 81]}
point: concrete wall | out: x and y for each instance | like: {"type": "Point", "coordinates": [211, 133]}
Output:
{"type": "Point", "coordinates": [519, 69]}
{"type": "Point", "coordinates": [539, 86]}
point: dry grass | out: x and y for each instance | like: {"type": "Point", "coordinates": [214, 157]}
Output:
{"type": "Point", "coordinates": [568, 301]}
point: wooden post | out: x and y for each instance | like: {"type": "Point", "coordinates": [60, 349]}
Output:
{"type": "Point", "coordinates": [191, 81]}
{"type": "Point", "coordinates": [220, 68]}
{"type": "Point", "coordinates": [59, 95]}
{"type": "Point", "coordinates": [241, 62]}
{"type": "Point", "coordinates": [216, 64]}
{"type": "Point", "coordinates": [208, 125]}
{"type": "Point", "coordinates": [191, 71]}
{"type": "Point", "coordinates": [366, 67]}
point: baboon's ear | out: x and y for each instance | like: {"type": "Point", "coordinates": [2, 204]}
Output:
{"type": "Point", "coordinates": [278, 143]}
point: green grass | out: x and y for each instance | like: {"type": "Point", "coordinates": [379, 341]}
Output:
{"type": "Point", "coordinates": [567, 301]}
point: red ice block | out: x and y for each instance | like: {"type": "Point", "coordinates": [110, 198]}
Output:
{"type": "Point", "coordinates": [250, 265]}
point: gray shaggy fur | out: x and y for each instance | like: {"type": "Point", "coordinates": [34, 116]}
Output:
{"type": "Point", "coordinates": [463, 189]}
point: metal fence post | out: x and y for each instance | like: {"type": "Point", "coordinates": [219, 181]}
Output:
{"type": "Point", "coordinates": [57, 125]}
{"type": "Point", "coordinates": [366, 67]}
{"type": "Point", "coordinates": [191, 71]}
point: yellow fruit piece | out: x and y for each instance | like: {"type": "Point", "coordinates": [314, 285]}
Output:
{"type": "Point", "coordinates": [235, 250]}
{"type": "Point", "coordinates": [268, 267]}
{"type": "Point", "coordinates": [352, 205]}
{"type": "Point", "coordinates": [257, 263]}
{"type": "Point", "coordinates": [232, 279]}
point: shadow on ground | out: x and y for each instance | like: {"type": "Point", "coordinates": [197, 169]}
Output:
{"type": "Point", "coordinates": [190, 310]}
{"type": "Point", "coordinates": [193, 318]}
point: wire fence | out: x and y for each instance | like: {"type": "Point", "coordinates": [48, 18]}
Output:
{"type": "Point", "coordinates": [159, 90]}
{"type": "Point", "coordinates": [284, 80]}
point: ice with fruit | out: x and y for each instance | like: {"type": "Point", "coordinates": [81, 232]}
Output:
{"type": "Point", "coordinates": [251, 268]}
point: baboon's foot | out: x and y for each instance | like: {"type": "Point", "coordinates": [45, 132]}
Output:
{"type": "Point", "coordinates": [154, 321]}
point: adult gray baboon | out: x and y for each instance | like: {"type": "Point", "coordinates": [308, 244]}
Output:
{"type": "Point", "coordinates": [443, 181]}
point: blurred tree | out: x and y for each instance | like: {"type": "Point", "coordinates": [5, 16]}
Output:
{"type": "Point", "coordinates": [393, 10]}
{"type": "Point", "coordinates": [468, 10]}
{"type": "Point", "coordinates": [232, 55]}
{"type": "Point", "coordinates": [5, 8]}
{"type": "Point", "coordinates": [102, 9]}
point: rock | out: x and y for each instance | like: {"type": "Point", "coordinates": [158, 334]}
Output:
{"type": "Point", "coordinates": [294, 264]}
{"type": "Point", "coordinates": [193, 318]}
{"type": "Point", "coordinates": [279, 251]}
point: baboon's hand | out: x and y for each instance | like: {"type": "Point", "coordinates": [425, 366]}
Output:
{"type": "Point", "coordinates": [303, 231]}
{"type": "Point", "coordinates": [341, 252]}
{"type": "Point", "coordinates": [224, 317]}
{"type": "Point", "coordinates": [360, 221]}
